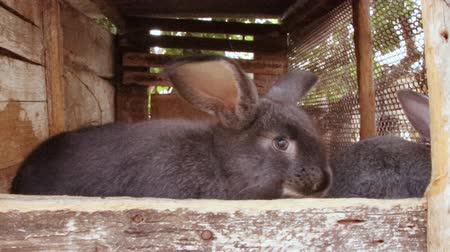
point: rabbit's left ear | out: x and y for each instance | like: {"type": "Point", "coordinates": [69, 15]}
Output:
{"type": "Point", "coordinates": [216, 85]}
{"type": "Point", "coordinates": [291, 87]}
{"type": "Point", "coordinates": [417, 110]}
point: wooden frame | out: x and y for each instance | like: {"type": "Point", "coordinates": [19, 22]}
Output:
{"type": "Point", "coordinates": [86, 224]}
{"type": "Point", "coordinates": [57, 223]}
{"type": "Point", "coordinates": [436, 20]}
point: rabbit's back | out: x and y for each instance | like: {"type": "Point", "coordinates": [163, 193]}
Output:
{"type": "Point", "coordinates": [381, 167]}
{"type": "Point", "coordinates": [119, 159]}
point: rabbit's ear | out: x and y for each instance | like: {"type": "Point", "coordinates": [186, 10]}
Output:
{"type": "Point", "coordinates": [216, 85]}
{"type": "Point", "coordinates": [417, 111]}
{"type": "Point", "coordinates": [292, 86]}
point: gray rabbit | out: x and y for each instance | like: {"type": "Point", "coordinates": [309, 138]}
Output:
{"type": "Point", "coordinates": [258, 148]}
{"type": "Point", "coordinates": [387, 166]}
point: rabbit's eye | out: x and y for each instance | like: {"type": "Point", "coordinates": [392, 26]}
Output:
{"type": "Point", "coordinates": [281, 143]}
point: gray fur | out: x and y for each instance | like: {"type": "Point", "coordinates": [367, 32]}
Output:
{"type": "Point", "coordinates": [228, 159]}
{"type": "Point", "coordinates": [386, 167]}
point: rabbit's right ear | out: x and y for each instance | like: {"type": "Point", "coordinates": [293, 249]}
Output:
{"type": "Point", "coordinates": [417, 111]}
{"type": "Point", "coordinates": [216, 85]}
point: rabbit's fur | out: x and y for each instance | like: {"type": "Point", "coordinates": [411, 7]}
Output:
{"type": "Point", "coordinates": [233, 158]}
{"type": "Point", "coordinates": [387, 166]}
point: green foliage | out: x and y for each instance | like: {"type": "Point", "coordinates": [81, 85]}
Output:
{"type": "Point", "coordinates": [107, 24]}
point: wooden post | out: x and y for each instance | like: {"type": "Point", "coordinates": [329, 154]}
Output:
{"type": "Point", "coordinates": [436, 21]}
{"type": "Point", "coordinates": [364, 55]}
{"type": "Point", "coordinates": [54, 66]}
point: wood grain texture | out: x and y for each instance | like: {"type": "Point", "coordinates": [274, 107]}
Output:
{"type": "Point", "coordinates": [54, 66]}
{"type": "Point", "coordinates": [436, 17]}
{"type": "Point", "coordinates": [364, 55]}
{"type": "Point", "coordinates": [28, 10]}
{"type": "Point", "coordinates": [89, 98]}
{"type": "Point", "coordinates": [6, 176]}
{"type": "Point", "coordinates": [121, 224]}
{"type": "Point", "coordinates": [21, 37]}
{"type": "Point", "coordinates": [21, 81]}
{"type": "Point", "coordinates": [86, 43]}
{"type": "Point", "coordinates": [269, 67]}
{"type": "Point", "coordinates": [131, 103]}
{"type": "Point", "coordinates": [22, 126]}
{"type": "Point", "coordinates": [172, 106]}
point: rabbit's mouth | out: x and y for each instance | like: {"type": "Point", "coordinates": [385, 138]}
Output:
{"type": "Point", "coordinates": [302, 189]}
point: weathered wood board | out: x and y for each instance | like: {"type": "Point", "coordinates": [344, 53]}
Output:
{"type": "Point", "coordinates": [89, 98]}
{"type": "Point", "coordinates": [131, 103]}
{"type": "Point", "coordinates": [28, 10]}
{"type": "Point", "coordinates": [21, 37]}
{"type": "Point", "coordinates": [269, 67]}
{"type": "Point", "coordinates": [86, 43]}
{"type": "Point", "coordinates": [121, 224]}
{"type": "Point", "coordinates": [22, 126]}
{"type": "Point", "coordinates": [436, 23]}
{"type": "Point", "coordinates": [21, 81]}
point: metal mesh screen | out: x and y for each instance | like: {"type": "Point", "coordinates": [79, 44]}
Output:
{"type": "Point", "coordinates": [327, 48]}
{"type": "Point", "coordinates": [329, 52]}
{"type": "Point", "coordinates": [398, 47]}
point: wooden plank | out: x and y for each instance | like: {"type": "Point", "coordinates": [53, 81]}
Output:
{"type": "Point", "coordinates": [142, 41]}
{"type": "Point", "coordinates": [86, 43]}
{"type": "Point", "coordinates": [6, 176]}
{"type": "Point", "coordinates": [364, 65]}
{"type": "Point", "coordinates": [100, 8]}
{"type": "Point", "coordinates": [54, 66]}
{"type": "Point", "coordinates": [143, 78]}
{"type": "Point", "coordinates": [28, 10]}
{"type": "Point", "coordinates": [190, 25]}
{"type": "Point", "coordinates": [201, 8]}
{"type": "Point", "coordinates": [21, 81]}
{"type": "Point", "coordinates": [22, 126]}
{"type": "Point", "coordinates": [171, 106]}
{"type": "Point", "coordinates": [21, 37]}
{"type": "Point", "coordinates": [436, 16]}
{"type": "Point", "coordinates": [131, 103]}
{"type": "Point", "coordinates": [87, 224]}
{"type": "Point", "coordinates": [269, 67]}
{"type": "Point", "coordinates": [89, 99]}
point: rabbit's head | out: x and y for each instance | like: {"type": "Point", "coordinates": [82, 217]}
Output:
{"type": "Point", "coordinates": [267, 146]}
{"type": "Point", "coordinates": [417, 110]}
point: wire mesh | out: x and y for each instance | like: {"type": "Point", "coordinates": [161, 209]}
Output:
{"type": "Point", "coordinates": [398, 47]}
{"type": "Point", "coordinates": [326, 47]}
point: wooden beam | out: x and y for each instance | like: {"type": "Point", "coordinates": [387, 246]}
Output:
{"type": "Point", "coordinates": [142, 41]}
{"type": "Point", "coordinates": [364, 64]}
{"type": "Point", "coordinates": [54, 66]}
{"type": "Point", "coordinates": [304, 12]}
{"type": "Point", "coordinates": [32, 223]}
{"type": "Point", "coordinates": [436, 17]}
{"type": "Point", "coordinates": [189, 25]}
{"type": "Point", "coordinates": [144, 79]}
{"type": "Point", "coordinates": [202, 8]}
{"type": "Point", "coordinates": [269, 67]}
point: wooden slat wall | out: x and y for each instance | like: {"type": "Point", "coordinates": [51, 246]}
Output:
{"type": "Point", "coordinates": [23, 98]}
{"type": "Point", "coordinates": [24, 72]}
{"type": "Point", "coordinates": [125, 224]}
{"type": "Point", "coordinates": [436, 17]}
{"type": "Point", "coordinates": [88, 70]}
